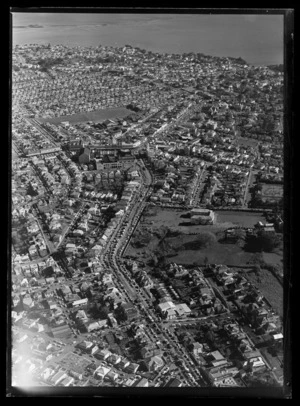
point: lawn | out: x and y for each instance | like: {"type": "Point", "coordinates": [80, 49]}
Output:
{"type": "Point", "coordinates": [96, 116]}
{"type": "Point", "coordinates": [165, 217]}
{"type": "Point", "coordinates": [224, 219]}
{"type": "Point", "coordinates": [228, 254]}
{"type": "Point", "coordinates": [238, 218]}
{"type": "Point", "coordinates": [273, 258]}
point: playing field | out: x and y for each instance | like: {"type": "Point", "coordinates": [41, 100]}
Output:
{"type": "Point", "coordinates": [238, 218]}
{"type": "Point", "coordinates": [223, 219]}
{"type": "Point", "coordinates": [96, 116]}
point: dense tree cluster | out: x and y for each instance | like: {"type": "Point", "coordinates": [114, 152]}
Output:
{"type": "Point", "coordinates": [48, 63]}
{"type": "Point", "coordinates": [132, 107]}
{"type": "Point", "coordinates": [262, 241]}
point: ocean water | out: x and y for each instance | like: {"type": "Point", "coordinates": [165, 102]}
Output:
{"type": "Point", "coordinates": [256, 38]}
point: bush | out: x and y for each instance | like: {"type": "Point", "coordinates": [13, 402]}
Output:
{"type": "Point", "coordinates": [204, 240]}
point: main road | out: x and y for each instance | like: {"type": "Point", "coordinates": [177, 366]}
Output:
{"type": "Point", "coordinates": [175, 121]}
{"type": "Point", "coordinates": [111, 258]}
{"type": "Point", "coordinates": [244, 205]}
{"type": "Point", "coordinates": [42, 130]}
{"type": "Point", "coordinates": [75, 218]}
{"type": "Point", "coordinates": [196, 189]}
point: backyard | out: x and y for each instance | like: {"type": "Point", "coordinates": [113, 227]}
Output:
{"type": "Point", "coordinates": [270, 287]}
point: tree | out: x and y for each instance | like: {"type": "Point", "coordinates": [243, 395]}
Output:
{"type": "Point", "coordinates": [103, 312]}
{"type": "Point", "coordinates": [239, 235]}
{"type": "Point", "coordinates": [93, 310]}
{"type": "Point", "coordinates": [262, 241]}
{"type": "Point", "coordinates": [210, 335]}
{"type": "Point", "coordinates": [252, 244]}
{"type": "Point", "coordinates": [203, 240]}
{"type": "Point", "coordinates": [256, 269]}
{"type": "Point", "coordinates": [268, 240]}
{"type": "Point", "coordinates": [206, 239]}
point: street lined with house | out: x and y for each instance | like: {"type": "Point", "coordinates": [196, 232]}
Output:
{"type": "Point", "coordinates": [142, 186]}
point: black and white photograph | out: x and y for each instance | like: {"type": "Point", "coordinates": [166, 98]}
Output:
{"type": "Point", "coordinates": [149, 202]}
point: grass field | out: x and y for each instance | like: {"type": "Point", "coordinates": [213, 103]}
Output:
{"type": "Point", "coordinates": [224, 219]}
{"type": "Point", "coordinates": [243, 219]}
{"type": "Point", "coordinates": [228, 254]}
{"type": "Point", "coordinates": [273, 258]}
{"type": "Point", "coordinates": [96, 116]}
{"type": "Point", "coordinates": [172, 219]}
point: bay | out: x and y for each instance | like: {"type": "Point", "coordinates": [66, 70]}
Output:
{"type": "Point", "coordinates": [256, 38]}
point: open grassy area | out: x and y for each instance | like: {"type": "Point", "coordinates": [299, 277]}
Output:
{"type": "Point", "coordinates": [224, 219]}
{"type": "Point", "coordinates": [239, 218]}
{"type": "Point", "coordinates": [273, 258]}
{"type": "Point", "coordinates": [96, 116]}
{"type": "Point", "coordinates": [229, 254]}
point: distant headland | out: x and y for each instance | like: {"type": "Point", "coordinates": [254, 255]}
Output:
{"type": "Point", "coordinates": [29, 26]}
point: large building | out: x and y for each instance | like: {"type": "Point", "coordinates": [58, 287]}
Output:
{"type": "Point", "coordinates": [129, 311]}
{"type": "Point", "coordinates": [85, 156]}
{"type": "Point", "coordinates": [99, 150]}
{"type": "Point", "coordinates": [202, 216]}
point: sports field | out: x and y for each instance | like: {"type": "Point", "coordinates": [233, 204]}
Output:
{"type": "Point", "coordinates": [238, 218]}
{"type": "Point", "coordinates": [96, 116]}
{"type": "Point", "coordinates": [223, 219]}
